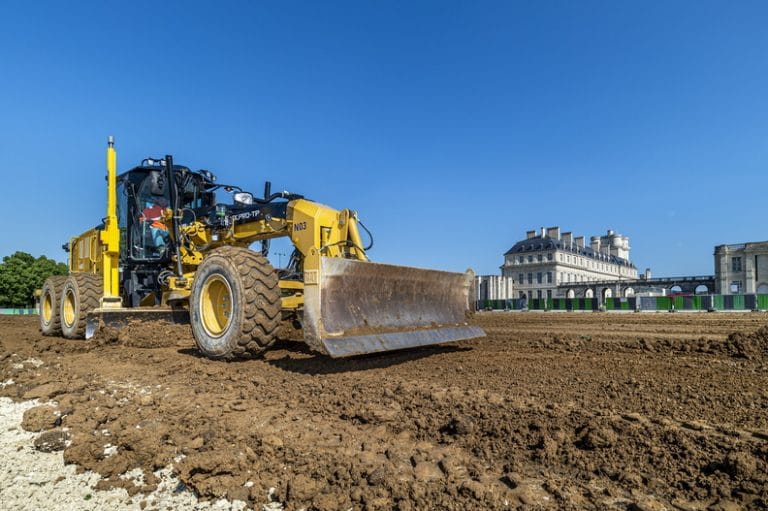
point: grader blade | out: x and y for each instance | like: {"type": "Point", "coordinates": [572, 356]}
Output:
{"type": "Point", "coordinates": [118, 318]}
{"type": "Point", "coordinates": [354, 307]}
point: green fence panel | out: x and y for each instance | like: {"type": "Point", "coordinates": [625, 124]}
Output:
{"type": "Point", "coordinates": [663, 303]}
{"type": "Point", "coordinates": [588, 304]}
{"type": "Point", "coordinates": [609, 304]}
{"type": "Point", "coordinates": [718, 302]}
{"type": "Point", "coordinates": [762, 301]}
{"type": "Point", "coordinates": [738, 302]}
{"type": "Point", "coordinates": [679, 302]}
{"type": "Point", "coordinates": [696, 303]}
{"type": "Point", "coordinates": [624, 302]}
{"type": "Point", "coordinates": [17, 312]}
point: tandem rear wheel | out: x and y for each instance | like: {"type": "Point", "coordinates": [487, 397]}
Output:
{"type": "Point", "coordinates": [50, 316]}
{"type": "Point", "coordinates": [80, 294]}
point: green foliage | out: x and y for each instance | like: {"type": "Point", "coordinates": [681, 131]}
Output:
{"type": "Point", "coordinates": [21, 274]}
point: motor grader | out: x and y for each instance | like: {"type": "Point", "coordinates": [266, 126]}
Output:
{"type": "Point", "coordinates": [167, 249]}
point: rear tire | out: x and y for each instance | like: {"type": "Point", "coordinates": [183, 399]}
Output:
{"type": "Point", "coordinates": [79, 295]}
{"type": "Point", "coordinates": [50, 316]}
{"type": "Point", "coordinates": [235, 304]}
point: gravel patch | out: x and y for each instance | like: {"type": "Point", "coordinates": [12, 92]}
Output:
{"type": "Point", "coordinates": [33, 480]}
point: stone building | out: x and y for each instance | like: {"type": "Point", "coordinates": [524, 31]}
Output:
{"type": "Point", "coordinates": [547, 258]}
{"type": "Point", "coordinates": [494, 287]}
{"type": "Point", "coordinates": [741, 268]}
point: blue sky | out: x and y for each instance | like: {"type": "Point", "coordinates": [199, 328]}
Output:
{"type": "Point", "coordinates": [451, 127]}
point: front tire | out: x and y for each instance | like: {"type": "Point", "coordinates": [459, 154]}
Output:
{"type": "Point", "coordinates": [50, 316]}
{"type": "Point", "coordinates": [79, 295]}
{"type": "Point", "coordinates": [235, 304]}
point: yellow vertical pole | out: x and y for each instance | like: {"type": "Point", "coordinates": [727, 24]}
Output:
{"type": "Point", "coordinates": [110, 236]}
{"type": "Point", "coordinates": [354, 237]}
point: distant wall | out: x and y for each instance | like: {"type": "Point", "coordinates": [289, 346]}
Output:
{"type": "Point", "coordinates": [640, 303]}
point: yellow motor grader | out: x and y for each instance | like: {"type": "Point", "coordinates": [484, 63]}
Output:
{"type": "Point", "coordinates": [168, 250]}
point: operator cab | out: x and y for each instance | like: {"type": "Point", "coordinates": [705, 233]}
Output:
{"type": "Point", "coordinates": [143, 197]}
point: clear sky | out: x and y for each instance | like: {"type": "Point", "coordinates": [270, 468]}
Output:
{"type": "Point", "coordinates": [451, 127]}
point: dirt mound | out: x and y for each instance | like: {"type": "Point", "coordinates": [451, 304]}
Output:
{"type": "Point", "coordinates": [156, 334]}
{"type": "Point", "coordinates": [550, 411]}
{"type": "Point", "coordinates": [749, 345]}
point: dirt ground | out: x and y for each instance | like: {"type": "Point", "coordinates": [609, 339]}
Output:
{"type": "Point", "coordinates": [550, 411]}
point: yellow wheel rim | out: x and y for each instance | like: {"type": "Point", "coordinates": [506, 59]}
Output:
{"type": "Point", "coordinates": [216, 305]}
{"type": "Point", "coordinates": [47, 307]}
{"type": "Point", "coordinates": [69, 307]}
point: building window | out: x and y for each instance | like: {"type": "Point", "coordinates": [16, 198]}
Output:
{"type": "Point", "coordinates": [549, 293]}
{"type": "Point", "coordinates": [736, 264]}
{"type": "Point", "coordinates": [530, 278]}
{"type": "Point", "coordinates": [549, 277]}
{"type": "Point", "coordinates": [538, 294]}
{"type": "Point", "coordinates": [521, 277]}
{"type": "Point", "coordinates": [549, 256]}
{"type": "Point", "coordinates": [530, 258]}
{"type": "Point", "coordinates": [735, 286]}
{"type": "Point", "coordinates": [538, 257]}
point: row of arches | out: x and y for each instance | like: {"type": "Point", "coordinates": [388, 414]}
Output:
{"type": "Point", "coordinates": [628, 292]}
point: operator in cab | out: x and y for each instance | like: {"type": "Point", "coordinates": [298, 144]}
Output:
{"type": "Point", "coordinates": [153, 215]}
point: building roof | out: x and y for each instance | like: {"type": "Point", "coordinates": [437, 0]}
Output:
{"type": "Point", "coordinates": [737, 246]}
{"type": "Point", "coordinates": [538, 243]}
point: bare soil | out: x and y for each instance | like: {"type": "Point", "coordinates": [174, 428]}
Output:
{"type": "Point", "coordinates": [550, 411]}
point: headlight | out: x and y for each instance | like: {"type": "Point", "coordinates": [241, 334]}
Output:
{"type": "Point", "coordinates": [245, 198]}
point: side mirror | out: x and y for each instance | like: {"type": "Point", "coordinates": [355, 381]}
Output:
{"type": "Point", "coordinates": [243, 198]}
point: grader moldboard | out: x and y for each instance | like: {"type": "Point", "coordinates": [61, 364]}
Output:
{"type": "Point", "coordinates": [168, 250]}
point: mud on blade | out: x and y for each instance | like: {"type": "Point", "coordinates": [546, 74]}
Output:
{"type": "Point", "coordinates": [354, 307]}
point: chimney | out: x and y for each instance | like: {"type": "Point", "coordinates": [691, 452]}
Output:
{"type": "Point", "coordinates": [543, 232]}
{"type": "Point", "coordinates": [530, 234]}
{"type": "Point", "coordinates": [566, 238]}
{"type": "Point", "coordinates": [594, 243]}
{"type": "Point", "coordinates": [579, 241]}
{"type": "Point", "coordinates": [553, 232]}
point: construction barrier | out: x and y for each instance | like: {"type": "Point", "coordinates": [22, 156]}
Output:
{"type": "Point", "coordinates": [639, 303]}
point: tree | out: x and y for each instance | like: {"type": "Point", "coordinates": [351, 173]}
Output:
{"type": "Point", "coordinates": [21, 274]}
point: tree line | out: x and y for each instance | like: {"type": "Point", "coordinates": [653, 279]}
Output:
{"type": "Point", "coordinates": [21, 274]}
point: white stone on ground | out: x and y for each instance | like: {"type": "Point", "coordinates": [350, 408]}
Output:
{"type": "Point", "coordinates": [34, 480]}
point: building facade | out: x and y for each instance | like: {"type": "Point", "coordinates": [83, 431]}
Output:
{"type": "Point", "coordinates": [494, 287]}
{"type": "Point", "coordinates": [741, 268]}
{"type": "Point", "coordinates": [546, 259]}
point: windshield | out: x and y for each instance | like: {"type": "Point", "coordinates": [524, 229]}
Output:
{"type": "Point", "coordinates": [149, 234]}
